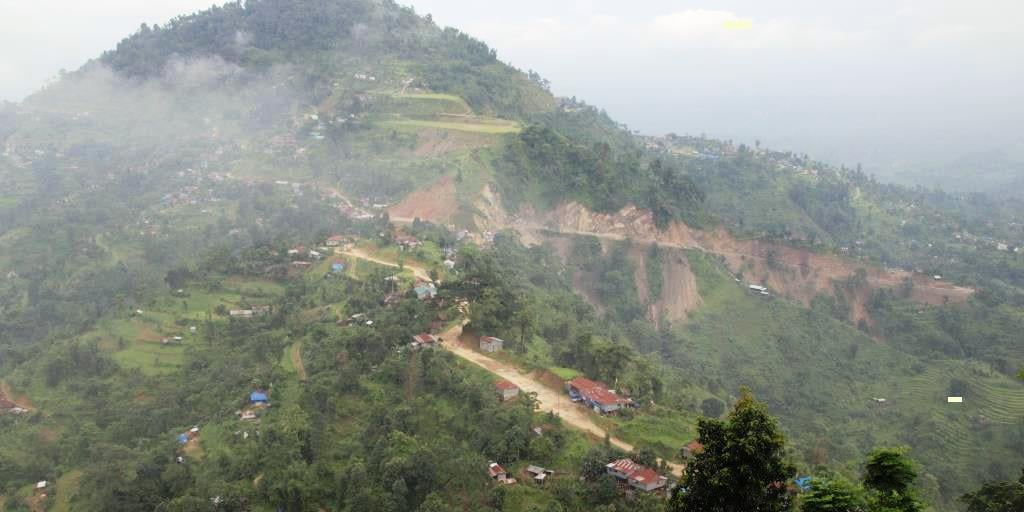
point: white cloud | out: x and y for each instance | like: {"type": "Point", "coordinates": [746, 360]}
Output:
{"type": "Point", "coordinates": [698, 28]}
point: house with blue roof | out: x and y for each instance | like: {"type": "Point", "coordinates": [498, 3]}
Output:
{"type": "Point", "coordinates": [425, 291]}
{"type": "Point", "coordinates": [259, 398]}
{"type": "Point", "coordinates": [804, 483]}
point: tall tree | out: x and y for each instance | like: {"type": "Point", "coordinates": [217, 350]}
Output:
{"type": "Point", "coordinates": [996, 497]}
{"type": "Point", "coordinates": [742, 466]}
{"type": "Point", "coordinates": [889, 475]}
{"type": "Point", "coordinates": [833, 494]}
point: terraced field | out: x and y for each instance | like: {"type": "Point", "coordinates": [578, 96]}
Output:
{"type": "Point", "coordinates": [991, 401]}
{"type": "Point", "coordinates": [475, 125]}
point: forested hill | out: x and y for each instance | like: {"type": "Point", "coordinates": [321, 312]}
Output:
{"type": "Point", "coordinates": [159, 197]}
{"type": "Point", "coordinates": [325, 37]}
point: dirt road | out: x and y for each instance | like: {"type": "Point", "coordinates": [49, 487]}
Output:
{"type": "Point", "coordinates": [549, 400]}
{"type": "Point", "coordinates": [418, 271]}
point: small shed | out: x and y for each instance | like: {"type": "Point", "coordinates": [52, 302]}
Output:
{"type": "Point", "coordinates": [425, 291]}
{"type": "Point", "coordinates": [491, 344]}
{"type": "Point", "coordinates": [425, 340]}
{"type": "Point", "coordinates": [259, 397]}
{"type": "Point", "coordinates": [539, 474]}
{"type": "Point", "coordinates": [692, 449]}
{"type": "Point", "coordinates": [506, 390]}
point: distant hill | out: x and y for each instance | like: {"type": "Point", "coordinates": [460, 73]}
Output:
{"type": "Point", "coordinates": [999, 173]}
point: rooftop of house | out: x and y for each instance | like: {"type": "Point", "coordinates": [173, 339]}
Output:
{"type": "Point", "coordinates": [624, 466]}
{"type": "Point", "coordinates": [505, 385]}
{"type": "Point", "coordinates": [495, 469]}
{"type": "Point", "coordinates": [424, 338]}
{"type": "Point", "coordinates": [695, 447]}
{"type": "Point", "coordinates": [635, 472]}
{"type": "Point", "coordinates": [645, 475]}
{"type": "Point", "coordinates": [596, 391]}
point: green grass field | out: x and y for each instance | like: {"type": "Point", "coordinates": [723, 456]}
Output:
{"type": "Point", "coordinates": [496, 128]}
{"type": "Point", "coordinates": [564, 373]}
{"type": "Point", "coordinates": [135, 340]}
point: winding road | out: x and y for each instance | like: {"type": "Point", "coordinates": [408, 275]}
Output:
{"type": "Point", "coordinates": [548, 399]}
{"type": "Point", "coordinates": [418, 271]}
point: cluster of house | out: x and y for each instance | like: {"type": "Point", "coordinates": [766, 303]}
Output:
{"type": "Point", "coordinates": [538, 474]}
{"type": "Point", "coordinates": [354, 212]}
{"type": "Point", "coordinates": [636, 476]}
{"type": "Point", "coordinates": [407, 242]}
{"type": "Point", "coordinates": [596, 396]}
{"type": "Point", "coordinates": [987, 241]}
{"type": "Point", "coordinates": [339, 241]}
{"type": "Point", "coordinates": [9, 406]}
{"type": "Point", "coordinates": [759, 290]}
{"type": "Point", "coordinates": [185, 437]}
{"type": "Point", "coordinates": [258, 401]}
{"type": "Point", "coordinates": [261, 310]}
{"type": "Point", "coordinates": [630, 474]}
{"type": "Point", "coordinates": [303, 258]}
{"type": "Point", "coordinates": [172, 339]}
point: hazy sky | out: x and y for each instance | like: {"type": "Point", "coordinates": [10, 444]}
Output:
{"type": "Point", "coordinates": [875, 81]}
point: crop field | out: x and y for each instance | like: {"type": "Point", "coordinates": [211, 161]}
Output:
{"type": "Point", "coordinates": [137, 340]}
{"type": "Point", "coordinates": [495, 127]}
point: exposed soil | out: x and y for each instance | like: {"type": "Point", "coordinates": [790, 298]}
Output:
{"type": "Point", "coordinates": [431, 142]}
{"type": "Point", "coordinates": [436, 203]}
{"type": "Point", "coordinates": [679, 293]}
{"type": "Point", "coordinates": [800, 274]}
{"type": "Point", "coordinates": [549, 399]}
{"type": "Point", "coordinates": [797, 273]}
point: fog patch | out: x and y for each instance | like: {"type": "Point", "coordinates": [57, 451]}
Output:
{"type": "Point", "coordinates": [199, 71]}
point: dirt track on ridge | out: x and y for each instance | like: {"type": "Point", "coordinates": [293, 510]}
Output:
{"type": "Point", "coordinates": [420, 272]}
{"type": "Point", "coordinates": [548, 399]}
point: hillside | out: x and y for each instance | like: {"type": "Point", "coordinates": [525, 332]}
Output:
{"type": "Point", "coordinates": [182, 178]}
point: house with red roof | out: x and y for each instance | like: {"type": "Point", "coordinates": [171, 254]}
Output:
{"type": "Point", "coordinates": [596, 395]}
{"type": "Point", "coordinates": [692, 449]}
{"type": "Point", "coordinates": [424, 340]}
{"type": "Point", "coordinates": [641, 478]}
{"type": "Point", "coordinates": [406, 242]}
{"type": "Point", "coordinates": [506, 390]}
{"type": "Point", "coordinates": [498, 473]}
{"type": "Point", "coordinates": [336, 240]}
